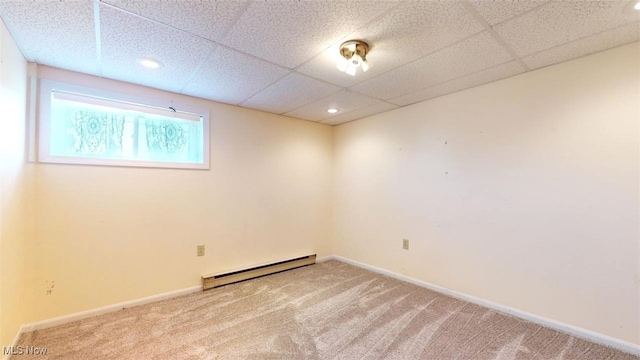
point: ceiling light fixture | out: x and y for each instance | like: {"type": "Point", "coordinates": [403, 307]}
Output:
{"type": "Point", "coordinates": [354, 55]}
{"type": "Point", "coordinates": [149, 63]}
{"type": "Point", "coordinates": [637, 6]}
{"type": "Point", "coordinates": [332, 111]}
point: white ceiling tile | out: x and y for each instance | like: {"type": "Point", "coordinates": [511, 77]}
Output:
{"type": "Point", "coordinates": [289, 33]}
{"type": "Point", "coordinates": [126, 38]}
{"type": "Point", "coordinates": [477, 53]}
{"type": "Point", "coordinates": [482, 77]}
{"type": "Point", "coordinates": [360, 113]}
{"type": "Point", "coordinates": [497, 11]}
{"type": "Point", "coordinates": [602, 41]}
{"type": "Point", "coordinates": [231, 77]}
{"type": "Point", "coordinates": [407, 32]}
{"type": "Point", "coordinates": [209, 19]}
{"type": "Point", "coordinates": [344, 101]}
{"type": "Point", "coordinates": [419, 48]}
{"type": "Point", "coordinates": [560, 22]}
{"type": "Point", "coordinates": [59, 34]}
{"type": "Point", "coordinates": [419, 27]}
{"type": "Point", "coordinates": [291, 92]}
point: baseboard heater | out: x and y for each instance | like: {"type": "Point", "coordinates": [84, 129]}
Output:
{"type": "Point", "coordinates": [213, 281]}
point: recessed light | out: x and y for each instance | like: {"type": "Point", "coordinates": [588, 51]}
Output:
{"type": "Point", "coordinates": [149, 63]}
{"type": "Point", "coordinates": [631, 8]}
{"type": "Point", "coordinates": [332, 111]}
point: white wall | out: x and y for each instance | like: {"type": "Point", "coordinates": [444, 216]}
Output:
{"type": "Point", "coordinates": [523, 192]}
{"type": "Point", "coordinates": [111, 234]}
{"type": "Point", "coordinates": [15, 179]}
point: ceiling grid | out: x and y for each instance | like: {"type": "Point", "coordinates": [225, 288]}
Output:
{"type": "Point", "coordinates": [280, 56]}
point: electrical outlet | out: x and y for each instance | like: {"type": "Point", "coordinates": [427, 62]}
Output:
{"type": "Point", "coordinates": [200, 250]}
{"type": "Point", "coordinates": [405, 244]}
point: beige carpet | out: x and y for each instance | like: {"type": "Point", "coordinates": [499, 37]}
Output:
{"type": "Point", "coordinates": [326, 311]}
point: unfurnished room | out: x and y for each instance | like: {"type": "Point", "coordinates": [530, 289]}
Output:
{"type": "Point", "coordinates": [320, 179]}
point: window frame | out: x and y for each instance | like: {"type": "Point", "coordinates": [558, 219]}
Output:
{"type": "Point", "coordinates": [44, 127]}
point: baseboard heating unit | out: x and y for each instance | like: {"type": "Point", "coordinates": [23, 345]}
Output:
{"type": "Point", "coordinates": [213, 281]}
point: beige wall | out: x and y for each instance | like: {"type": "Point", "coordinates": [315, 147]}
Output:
{"type": "Point", "coordinates": [15, 225]}
{"type": "Point", "coordinates": [111, 234]}
{"type": "Point", "coordinates": [523, 192]}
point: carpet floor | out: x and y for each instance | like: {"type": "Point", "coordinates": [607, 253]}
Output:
{"type": "Point", "coordinates": [330, 310]}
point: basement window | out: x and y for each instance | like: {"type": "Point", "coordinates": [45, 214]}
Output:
{"type": "Point", "coordinates": [88, 126]}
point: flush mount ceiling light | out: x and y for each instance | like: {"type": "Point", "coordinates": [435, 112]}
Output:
{"type": "Point", "coordinates": [149, 63]}
{"type": "Point", "coordinates": [354, 55]}
{"type": "Point", "coordinates": [332, 111]}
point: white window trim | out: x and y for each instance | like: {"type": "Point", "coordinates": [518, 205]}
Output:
{"type": "Point", "coordinates": [44, 126]}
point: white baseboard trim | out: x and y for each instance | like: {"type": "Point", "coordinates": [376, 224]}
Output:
{"type": "Point", "coordinates": [325, 258]}
{"type": "Point", "coordinates": [14, 343]}
{"type": "Point", "coordinates": [65, 319]}
{"type": "Point", "coordinates": [38, 325]}
{"type": "Point", "coordinates": [570, 329]}
{"type": "Point", "coordinates": [537, 319]}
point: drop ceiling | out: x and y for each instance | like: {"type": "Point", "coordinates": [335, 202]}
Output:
{"type": "Point", "coordinates": [280, 56]}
